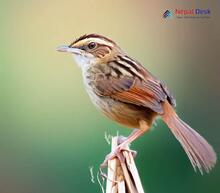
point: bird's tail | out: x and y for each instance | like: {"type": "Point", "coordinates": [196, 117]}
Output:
{"type": "Point", "coordinates": [198, 150]}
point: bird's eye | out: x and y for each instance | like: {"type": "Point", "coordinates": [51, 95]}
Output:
{"type": "Point", "coordinates": [92, 45]}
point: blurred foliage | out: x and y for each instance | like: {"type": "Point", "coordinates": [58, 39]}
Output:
{"type": "Point", "coordinates": [50, 131]}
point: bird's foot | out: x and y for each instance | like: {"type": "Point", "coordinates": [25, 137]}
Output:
{"type": "Point", "coordinates": [118, 152]}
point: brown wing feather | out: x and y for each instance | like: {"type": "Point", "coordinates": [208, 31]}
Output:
{"type": "Point", "coordinates": [143, 94]}
{"type": "Point", "coordinates": [149, 92]}
{"type": "Point", "coordinates": [112, 85]}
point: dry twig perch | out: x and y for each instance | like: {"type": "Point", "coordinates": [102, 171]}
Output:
{"type": "Point", "coordinates": [123, 177]}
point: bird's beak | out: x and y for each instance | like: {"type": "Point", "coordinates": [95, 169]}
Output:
{"type": "Point", "coordinates": [69, 49]}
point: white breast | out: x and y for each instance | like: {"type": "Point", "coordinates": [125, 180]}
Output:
{"type": "Point", "coordinates": [84, 64]}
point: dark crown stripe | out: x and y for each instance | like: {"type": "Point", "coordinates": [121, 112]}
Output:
{"type": "Point", "coordinates": [93, 36]}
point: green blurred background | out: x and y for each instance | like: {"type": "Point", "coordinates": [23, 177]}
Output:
{"type": "Point", "coordinates": [50, 133]}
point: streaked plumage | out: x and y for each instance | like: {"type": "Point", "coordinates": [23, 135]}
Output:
{"type": "Point", "coordinates": [129, 94]}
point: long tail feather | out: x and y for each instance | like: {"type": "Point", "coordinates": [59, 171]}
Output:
{"type": "Point", "coordinates": [199, 151]}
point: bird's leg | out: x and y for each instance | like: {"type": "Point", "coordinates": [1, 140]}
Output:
{"type": "Point", "coordinates": [122, 139]}
{"type": "Point", "coordinates": [125, 142]}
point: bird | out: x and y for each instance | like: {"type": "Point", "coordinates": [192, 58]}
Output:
{"type": "Point", "coordinates": [127, 93]}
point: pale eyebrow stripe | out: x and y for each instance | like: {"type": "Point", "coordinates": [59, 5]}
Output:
{"type": "Point", "coordinates": [97, 40]}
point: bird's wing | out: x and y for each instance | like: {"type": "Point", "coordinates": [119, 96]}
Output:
{"type": "Point", "coordinates": [148, 92]}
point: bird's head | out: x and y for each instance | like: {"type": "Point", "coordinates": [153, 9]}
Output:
{"type": "Point", "coordinates": [91, 49]}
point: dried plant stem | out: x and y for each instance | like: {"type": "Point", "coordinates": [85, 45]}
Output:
{"type": "Point", "coordinates": [123, 177]}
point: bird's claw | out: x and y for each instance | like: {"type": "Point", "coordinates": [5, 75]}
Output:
{"type": "Point", "coordinates": [117, 153]}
